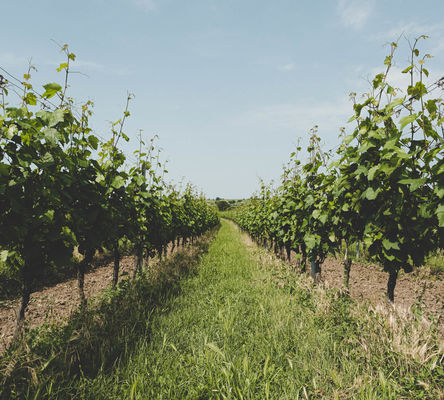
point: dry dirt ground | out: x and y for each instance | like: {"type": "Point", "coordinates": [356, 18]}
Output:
{"type": "Point", "coordinates": [56, 303]}
{"type": "Point", "coordinates": [369, 283]}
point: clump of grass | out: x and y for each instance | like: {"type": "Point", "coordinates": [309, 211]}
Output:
{"type": "Point", "coordinates": [436, 263]}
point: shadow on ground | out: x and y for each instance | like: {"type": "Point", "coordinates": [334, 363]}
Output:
{"type": "Point", "coordinates": [100, 336]}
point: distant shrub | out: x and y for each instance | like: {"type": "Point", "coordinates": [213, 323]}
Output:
{"type": "Point", "coordinates": [222, 205]}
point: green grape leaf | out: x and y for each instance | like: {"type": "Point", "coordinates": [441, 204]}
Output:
{"type": "Point", "coordinates": [3, 255]}
{"type": "Point", "coordinates": [310, 241]}
{"type": "Point", "coordinates": [408, 119]}
{"type": "Point", "coordinates": [12, 130]}
{"type": "Point", "coordinates": [62, 66]}
{"type": "Point", "coordinates": [93, 141]}
{"type": "Point", "coordinates": [439, 192]}
{"type": "Point", "coordinates": [51, 89]}
{"type": "Point", "coordinates": [395, 103]}
{"type": "Point", "coordinates": [31, 99]}
{"type": "Point", "coordinates": [370, 193]}
{"type": "Point", "coordinates": [100, 178]}
{"type": "Point", "coordinates": [351, 119]}
{"type": "Point", "coordinates": [440, 215]}
{"type": "Point", "coordinates": [47, 159]}
{"type": "Point", "coordinates": [371, 172]}
{"type": "Point", "coordinates": [51, 135]}
{"type": "Point", "coordinates": [414, 183]}
{"type": "Point", "coordinates": [365, 147]}
{"type": "Point", "coordinates": [388, 245]}
{"type": "Point", "coordinates": [55, 117]}
{"type": "Point", "coordinates": [348, 139]}
{"type": "Point", "coordinates": [323, 218]}
{"type": "Point", "coordinates": [118, 182]}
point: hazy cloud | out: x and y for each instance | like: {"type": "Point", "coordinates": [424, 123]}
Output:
{"type": "Point", "coordinates": [355, 13]}
{"type": "Point", "coordinates": [89, 65]}
{"type": "Point", "coordinates": [298, 117]}
{"type": "Point", "coordinates": [8, 59]}
{"type": "Point", "coordinates": [11, 61]}
{"type": "Point", "coordinates": [146, 5]}
{"type": "Point", "coordinates": [409, 30]}
{"type": "Point", "coordinates": [438, 47]}
{"type": "Point", "coordinates": [287, 67]}
{"type": "Point", "coordinates": [86, 66]}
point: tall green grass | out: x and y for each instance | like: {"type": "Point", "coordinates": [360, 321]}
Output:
{"type": "Point", "coordinates": [436, 263]}
{"type": "Point", "coordinates": [245, 326]}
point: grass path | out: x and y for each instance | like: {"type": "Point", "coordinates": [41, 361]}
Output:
{"type": "Point", "coordinates": [245, 327]}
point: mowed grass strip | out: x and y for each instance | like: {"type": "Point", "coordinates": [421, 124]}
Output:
{"type": "Point", "coordinates": [246, 327]}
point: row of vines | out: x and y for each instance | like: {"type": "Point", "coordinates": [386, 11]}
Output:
{"type": "Point", "coordinates": [63, 189]}
{"type": "Point", "coordinates": [383, 187]}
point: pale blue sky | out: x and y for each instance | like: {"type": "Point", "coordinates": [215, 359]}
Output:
{"type": "Point", "coordinates": [228, 85]}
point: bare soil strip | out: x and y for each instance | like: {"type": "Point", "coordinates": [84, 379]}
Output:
{"type": "Point", "coordinates": [56, 303]}
{"type": "Point", "coordinates": [368, 282]}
